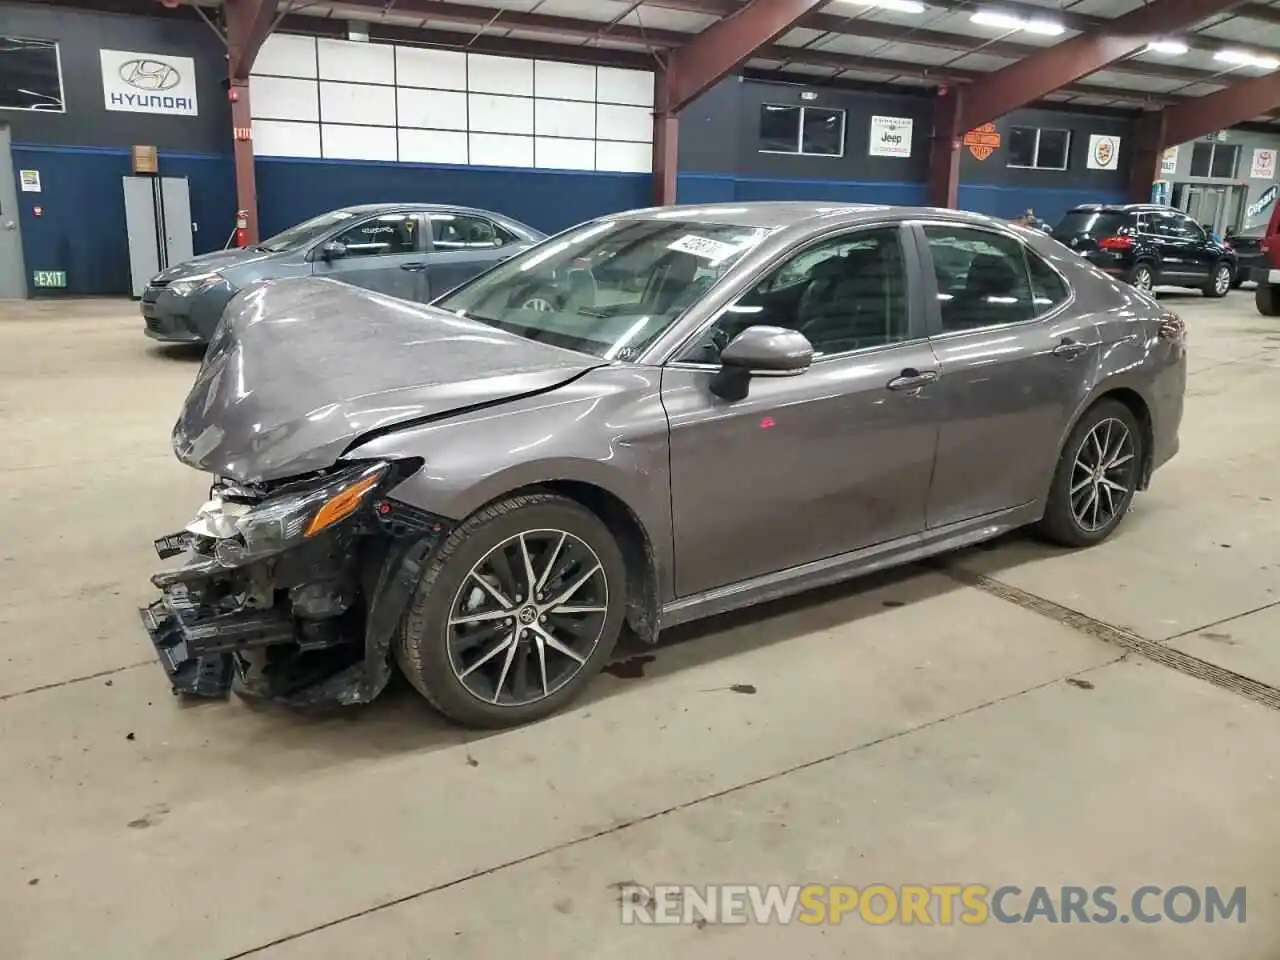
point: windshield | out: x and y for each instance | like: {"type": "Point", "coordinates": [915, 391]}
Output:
{"type": "Point", "coordinates": [606, 288]}
{"type": "Point", "coordinates": [1091, 222]}
{"type": "Point", "coordinates": [306, 231]}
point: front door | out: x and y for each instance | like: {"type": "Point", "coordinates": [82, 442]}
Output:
{"type": "Point", "coordinates": [12, 273]}
{"type": "Point", "coordinates": [814, 465]}
{"type": "Point", "coordinates": [1012, 370]}
{"type": "Point", "coordinates": [383, 253]}
{"type": "Point", "coordinates": [462, 245]}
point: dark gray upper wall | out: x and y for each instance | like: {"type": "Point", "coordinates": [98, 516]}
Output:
{"type": "Point", "coordinates": [719, 133]}
{"type": "Point", "coordinates": [995, 168]}
{"type": "Point", "coordinates": [87, 122]}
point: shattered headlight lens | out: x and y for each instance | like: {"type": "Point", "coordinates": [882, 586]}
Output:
{"type": "Point", "coordinates": [287, 519]}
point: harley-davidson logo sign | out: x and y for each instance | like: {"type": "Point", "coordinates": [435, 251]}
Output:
{"type": "Point", "coordinates": [983, 142]}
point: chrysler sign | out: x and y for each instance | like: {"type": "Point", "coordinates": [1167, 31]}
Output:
{"type": "Point", "coordinates": [149, 83]}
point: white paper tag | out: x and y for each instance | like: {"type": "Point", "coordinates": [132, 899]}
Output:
{"type": "Point", "coordinates": [712, 250]}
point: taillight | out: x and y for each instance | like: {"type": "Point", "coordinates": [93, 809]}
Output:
{"type": "Point", "coordinates": [1172, 328]}
{"type": "Point", "coordinates": [1117, 242]}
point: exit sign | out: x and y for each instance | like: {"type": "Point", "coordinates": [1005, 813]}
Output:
{"type": "Point", "coordinates": [49, 278]}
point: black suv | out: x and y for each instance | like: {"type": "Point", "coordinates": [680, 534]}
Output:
{"type": "Point", "coordinates": [1147, 245]}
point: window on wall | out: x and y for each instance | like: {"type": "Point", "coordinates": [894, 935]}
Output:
{"type": "Point", "coordinates": [812, 131]}
{"type": "Point", "coordinates": [1215, 160]}
{"type": "Point", "coordinates": [30, 75]}
{"type": "Point", "coordinates": [1039, 148]}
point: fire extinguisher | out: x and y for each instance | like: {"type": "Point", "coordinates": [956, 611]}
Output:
{"type": "Point", "coordinates": [242, 228]}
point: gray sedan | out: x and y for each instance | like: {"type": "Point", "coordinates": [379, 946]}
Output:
{"type": "Point", "coordinates": [653, 417]}
{"type": "Point", "coordinates": [413, 251]}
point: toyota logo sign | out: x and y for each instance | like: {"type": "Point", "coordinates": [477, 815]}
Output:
{"type": "Point", "coordinates": [149, 74]}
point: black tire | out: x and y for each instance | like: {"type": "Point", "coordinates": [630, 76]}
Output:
{"type": "Point", "coordinates": [1143, 276]}
{"type": "Point", "coordinates": [1219, 281]}
{"type": "Point", "coordinates": [1267, 299]}
{"type": "Point", "coordinates": [1060, 523]}
{"type": "Point", "coordinates": [422, 647]}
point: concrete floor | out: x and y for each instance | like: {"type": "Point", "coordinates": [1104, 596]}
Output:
{"type": "Point", "coordinates": [930, 726]}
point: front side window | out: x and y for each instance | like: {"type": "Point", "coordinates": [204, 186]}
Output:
{"type": "Point", "coordinates": [982, 278]}
{"type": "Point", "coordinates": [844, 293]}
{"type": "Point", "coordinates": [382, 236]}
{"type": "Point", "coordinates": [458, 231]}
{"type": "Point", "coordinates": [306, 232]}
{"type": "Point", "coordinates": [608, 288]}
{"type": "Point", "coordinates": [813, 131]}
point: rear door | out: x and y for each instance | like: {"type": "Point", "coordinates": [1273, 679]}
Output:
{"type": "Point", "coordinates": [1013, 365]}
{"type": "Point", "coordinates": [463, 245]}
{"type": "Point", "coordinates": [1201, 255]}
{"type": "Point", "coordinates": [383, 253]}
{"type": "Point", "coordinates": [1179, 262]}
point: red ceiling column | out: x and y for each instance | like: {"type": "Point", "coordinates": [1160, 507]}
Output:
{"type": "Point", "coordinates": [944, 149]}
{"type": "Point", "coordinates": [1031, 78]}
{"type": "Point", "coordinates": [1150, 140]}
{"type": "Point", "coordinates": [666, 142]}
{"type": "Point", "coordinates": [1237, 103]}
{"type": "Point", "coordinates": [248, 24]}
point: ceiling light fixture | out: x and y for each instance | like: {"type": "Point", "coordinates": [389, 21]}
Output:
{"type": "Point", "coordinates": [1007, 21]}
{"type": "Point", "coordinates": [1243, 58]}
{"type": "Point", "coordinates": [1170, 48]}
{"type": "Point", "coordinates": [897, 6]}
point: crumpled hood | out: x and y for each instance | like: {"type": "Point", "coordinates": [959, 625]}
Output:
{"type": "Point", "coordinates": [218, 260]}
{"type": "Point", "coordinates": [299, 368]}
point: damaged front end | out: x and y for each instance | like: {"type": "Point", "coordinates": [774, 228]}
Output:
{"type": "Point", "coordinates": [293, 590]}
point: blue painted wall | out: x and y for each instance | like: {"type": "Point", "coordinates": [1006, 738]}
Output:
{"type": "Point", "coordinates": [291, 190]}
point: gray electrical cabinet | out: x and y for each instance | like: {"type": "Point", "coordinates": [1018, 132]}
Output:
{"type": "Point", "coordinates": [157, 216]}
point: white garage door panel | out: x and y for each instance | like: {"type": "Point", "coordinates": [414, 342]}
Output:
{"type": "Point", "coordinates": [555, 154]}
{"type": "Point", "coordinates": [356, 62]}
{"type": "Point", "coordinates": [438, 69]}
{"type": "Point", "coordinates": [493, 114]}
{"type": "Point", "coordinates": [358, 143]}
{"type": "Point", "coordinates": [624, 157]}
{"type": "Point", "coordinates": [281, 138]}
{"type": "Point", "coordinates": [357, 103]}
{"type": "Point", "coordinates": [614, 85]}
{"type": "Point", "coordinates": [286, 55]}
{"type": "Point", "coordinates": [433, 146]}
{"type": "Point", "coordinates": [495, 150]}
{"type": "Point", "coordinates": [434, 109]}
{"type": "Point", "coordinates": [562, 118]}
{"type": "Point", "coordinates": [624, 123]}
{"type": "Point", "coordinates": [284, 98]}
{"type": "Point", "coordinates": [564, 81]}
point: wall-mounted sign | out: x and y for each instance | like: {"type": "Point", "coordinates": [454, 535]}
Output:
{"type": "Point", "coordinates": [29, 180]}
{"type": "Point", "coordinates": [145, 159]}
{"type": "Point", "coordinates": [149, 83]}
{"type": "Point", "coordinates": [890, 137]}
{"type": "Point", "coordinates": [1169, 161]}
{"type": "Point", "coordinates": [983, 142]}
{"type": "Point", "coordinates": [1263, 203]}
{"type": "Point", "coordinates": [1104, 152]}
{"type": "Point", "coordinates": [1264, 165]}
{"type": "Point", "coordinates": [49, 278]}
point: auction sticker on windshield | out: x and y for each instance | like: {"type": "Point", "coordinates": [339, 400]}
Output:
{"type": "Point", "coordinates": [712, 250]}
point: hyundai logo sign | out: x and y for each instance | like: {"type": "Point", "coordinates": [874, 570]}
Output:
{"type": "Point", "coordinates": [149, 74]}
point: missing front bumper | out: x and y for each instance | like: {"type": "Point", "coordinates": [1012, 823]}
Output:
{"type": "Point", "coordinates": [197, 675]}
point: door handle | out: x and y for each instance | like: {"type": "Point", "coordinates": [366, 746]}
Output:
{"type": "Point", "coordinates": [911, 378]}
{"type": "Point", "coordinates": [1069, 349]}
{"type": "Point", "coordinates": [415, 266]}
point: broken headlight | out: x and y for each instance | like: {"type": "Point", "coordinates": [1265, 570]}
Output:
{"type": "Point", "coordinates": [299, 513]}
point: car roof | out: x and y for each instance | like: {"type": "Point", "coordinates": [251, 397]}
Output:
{"type": "Point", "coordinates": [773, 214]}
{"type": "Point", "coordinates": [367, 208]}
{"type": "Point", "coordinates": [1122, 207]}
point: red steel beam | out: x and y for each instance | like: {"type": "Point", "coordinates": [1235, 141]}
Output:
{"type": "Point", "coordinates": [1030, 79]}
{"type": "Point", "coordinates": [722, 47]}
{"type": "Point", "coordinates": [249, 22]}
{"type": "Point", "coordinates": [1237, 103]}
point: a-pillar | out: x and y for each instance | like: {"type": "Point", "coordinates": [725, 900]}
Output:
{"type": "Point", "coordinates": [242, 131]}
{"type": "Point", "coordinates": [944, 149]}
{"type": "Point", "coordinates": [1148, 150]}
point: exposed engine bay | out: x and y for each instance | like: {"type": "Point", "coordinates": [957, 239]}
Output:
{"type": "Point", "coordinates": [291, 590]}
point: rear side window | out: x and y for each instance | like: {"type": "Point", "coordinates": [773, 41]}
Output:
{"type": "Point", "coordinates": [1094, 223]}
{"type": "Point", "coordinates": [982, 278]}
{"type": "Point", "coordinates": [1048, 290]}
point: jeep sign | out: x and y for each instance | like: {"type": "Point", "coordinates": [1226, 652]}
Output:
{"type": "Point", "coordinates": [890, 137]}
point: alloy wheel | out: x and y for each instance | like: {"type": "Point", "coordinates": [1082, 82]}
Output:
{"type": "Point", "coordinates": [1222, 281]}
{"type": "Point", "coordinates": [1142, 279]}
{"type": "Point", "coordinates": [1102, 475]}
{"type": "Point", "coordinates": [527, 617]}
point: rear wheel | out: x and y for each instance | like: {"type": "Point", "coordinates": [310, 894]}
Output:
{"type": "Point", "coordinates": [1096, 478]}
{"type": "Point", "coordinates": [1219, 281]}
{"type": "Point", "coordinates": [1267, 300]}
{"type": "Point", "coordinates": [1143, 277]}
{"type": "Point", "coordinates": [518, 610]}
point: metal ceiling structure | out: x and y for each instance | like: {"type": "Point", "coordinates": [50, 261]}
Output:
{"type": "Point", "coordinates": [1187, 67]}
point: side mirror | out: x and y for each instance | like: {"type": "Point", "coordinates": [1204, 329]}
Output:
{"type": "Point", "coordinates": [760, 351]}
{"type": "Point", "coordinates": [333, 250]}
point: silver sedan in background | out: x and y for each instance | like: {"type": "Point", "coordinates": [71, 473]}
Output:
{"type": "Point", "coordinates": [652, 417]}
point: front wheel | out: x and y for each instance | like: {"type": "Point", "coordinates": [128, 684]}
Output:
{"type": "Point", "coordinates": [1096, 478]}
{"type": "Point", "coordinates": [1142, 277]}
{"type": "Point", "coordinates": [517, 611]}
{"type": "Point", "coordinates": [1220, 281]}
